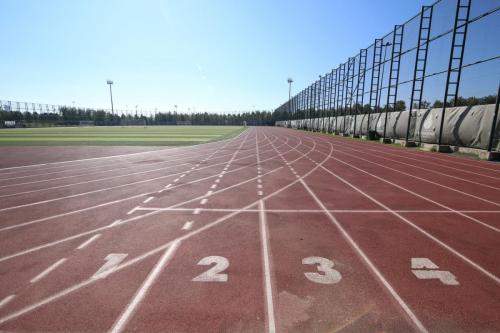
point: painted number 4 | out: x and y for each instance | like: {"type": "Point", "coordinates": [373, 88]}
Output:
{"type": "Point", "coordinates": [325, 266]}
{"type": "Point", "coordinates": [424, 269]}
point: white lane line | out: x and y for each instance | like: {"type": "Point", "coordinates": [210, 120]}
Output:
{"type": "Point", "coordinates": [209, 193]}
{"type": "Point", "coordinates": [160, 191]}
{"type": "Point", "coordinates": [116, 222]}
{"type": "Point", "coordinates": [168, 185]}
{"type": "Point", "coordinates": [176, 180]}
{"type": "Point", "coordinates": [213, 186]}
{"type": "Point", "coordinates": [260, 193]}
{"type": "Point", "coordinates": [89, 232]}
{"type": "Point", "coordinates": [132, 210]}
{"type": "Point", "coordinates": [148, 199]}
{"type": "Point", "coordinates": [6, 300]}
{"type": "Point", "coordinates": [131, 262]}
{"type": "Point", "coordinates": [367, 261]}
{"type": "Point", "coordinates": [90, 240]}
{"type": "Point", "coordinates": [143, 290]}
{"type": "Point", "coordinates": [196, 211]}
{"type": "Point", "coordinates": [227, 141]}
{"type": "Point", "coordinates": [220, 176]}
{"type": "Point", "coordinates": [407, 221]}
{"type": "Point", "coordinates": [259, 180]}
{"type": "Point", "coordinates": [271, 326]}
{"type": "Point", "coordinates": [424, 179]}
{"type": "Point", "coordinates": [203, 201]}
{"type": "Point", "coordinates": [217, 181]}
{"type": "Point", "coordinates": [183, 175]}
{"type": "Point", "coordinates": [188, 225]}
{"type": "Point", "coordinates": [259, 185]}
{"type": "Point", "coordinates": [473, 219]}
{"type": "Point", "coordinates": [48, 270]}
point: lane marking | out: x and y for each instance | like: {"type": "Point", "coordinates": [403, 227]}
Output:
{"type": "Point", "coordinates": [6, 300]}
{"type": "Point", "coordinates": [264, 239]}
{"type": "Point", "coordinates": [113, 260]}
{"type": "Point", "coordinates": [90, 240]}
{"type": "Point", "coordinates": [260, 193]}
{"type": "Point", "coordinates": [213, 186]}
{"type": "Point", "coordinates": [209, 193]}
{"type": "Point", "coordinates": [148, 200]}
{"type": "Point", "coordinates": [141, 293]}
{"type": "Point", "coordinates": [176, 180]}
{"type": "Point", "coordinates": [259, 180]}
{"type": "Point", "coordinates": [259, 186]}
{"type": "Point", "coordinates": [203, 201]}
{"type": "Point", "coordinates": [217, 181]}
{"type": "Point", "coordinates": [168, 185]}
{"type": "Point", "coordinates": [196, 211]}
{"type": "Point", "coordinates": [367, 261]}
{"type": "Point", "coordinates": [188, 225]}
{"type": "Point", "coordinates": [48, 270]}
{"type": "Point", "coordinates": [183, 175]}
{"type": "Point", "coordinates": [358, 250]}
{"type": "Point", "coordinates": [139, 258]}
{"type": "Point", "coordinates": [116, 222]}
{"type": "Point", "coordinates": [407, 221]}
{"type": "Point", "coordinates": [132, 210]}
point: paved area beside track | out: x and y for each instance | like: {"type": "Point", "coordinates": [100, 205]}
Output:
{"type": "Point", "coordinates": [274, 230]}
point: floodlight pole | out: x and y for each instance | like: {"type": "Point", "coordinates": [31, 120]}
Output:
{"type": "Point", "coordinates": [111, 95]}
{"type": "Point", "coordinates": [290, 81]}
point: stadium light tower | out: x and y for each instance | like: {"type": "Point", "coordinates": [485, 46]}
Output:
{"type": "Point", "coordinates": [110, 82]}
{"type": "Point", "coordinates": [290, 81]}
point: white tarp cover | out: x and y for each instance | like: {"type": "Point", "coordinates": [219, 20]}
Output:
{"type": "Point", "coordinates": [463, 126]}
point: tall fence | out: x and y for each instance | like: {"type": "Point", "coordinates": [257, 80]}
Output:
{"type": "Point", "coordinates": [433, 79]}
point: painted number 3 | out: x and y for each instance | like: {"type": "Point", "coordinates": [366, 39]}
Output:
{"type": "Point", "coordinates": [329, 276]}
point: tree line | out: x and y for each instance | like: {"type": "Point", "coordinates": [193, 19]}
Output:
{"type": "Point", "coordinates": [73, 116]}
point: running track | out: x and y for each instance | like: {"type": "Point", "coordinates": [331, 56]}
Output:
{"type": "Point", "coordinates": [274, 230]}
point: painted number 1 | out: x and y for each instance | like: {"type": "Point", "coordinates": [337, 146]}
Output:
{"type": "Point", "coordinates": [329, 276]}
{"type": "Point", "coordinates": [213, 274]}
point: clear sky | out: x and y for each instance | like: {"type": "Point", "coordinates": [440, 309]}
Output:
{"type": "Point", "coordinates": [217, 55]}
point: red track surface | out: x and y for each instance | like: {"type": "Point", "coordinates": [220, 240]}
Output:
{"type": "Point", "coordinates": [305, 233]}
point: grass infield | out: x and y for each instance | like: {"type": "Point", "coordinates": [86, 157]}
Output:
{"type": "Point", "coordinates": [117, 136]}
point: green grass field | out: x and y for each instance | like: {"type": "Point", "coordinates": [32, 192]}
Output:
{"type": "Point", "coordinates": [118, 136]}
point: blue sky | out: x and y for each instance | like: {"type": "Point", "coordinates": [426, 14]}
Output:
{"type": "Point", "coordinates": [204, 55]}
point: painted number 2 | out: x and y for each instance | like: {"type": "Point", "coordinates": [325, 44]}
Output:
{"type": "Point", "coordinates": [329, 276]}
{"type": "Point", "coordinates": [213, 274]}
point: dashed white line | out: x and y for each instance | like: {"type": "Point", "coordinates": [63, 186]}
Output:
{"type": "Point", "coordinates": [214, 186]}
{"type": "Point", "coordinates": [217, 181]}
{"type": "Point", "coordinates": [259, 186]}
{"type": "Point", "coordinates": [90, 240]}
{"type": "Point", "coordinates": [183, 175]}
{"type": "Point", "coordinates": [6, 300]}
{"type": "Point", "coordinates": [132, 210]}
{"type": "Point", "coordinates": [260, 193]}
{"type": "Point", "coordinates": [196, 211]}
{"type": "Point", "coordinates": [203, 201]}
{"type": "Point", "coordinates": [148, 200]}
{"type": "Point", "coordinates": [209, 193]}
{"type": "Point", "coordinates": [47, 271]}
{"type": "Point", "coordinates": [188, 225]}
{"type": "Point", "coordinates": [176, 180]}
{"type": "Point", "coordinates": [143, 290]}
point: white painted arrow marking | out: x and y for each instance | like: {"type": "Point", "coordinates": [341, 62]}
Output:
{"type": "Point", "coordinates": [112, 261]}
{"type": "Point", "coordinates": [425, 269]}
